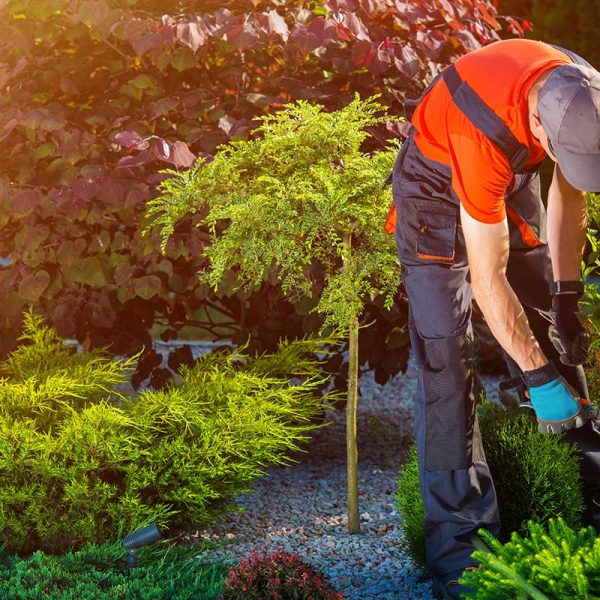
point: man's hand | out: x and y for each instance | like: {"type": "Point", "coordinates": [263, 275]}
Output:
{"type": "Point", "coordinates": [556, 406]}
{"type": "Point", "coordinates": [567, 331]}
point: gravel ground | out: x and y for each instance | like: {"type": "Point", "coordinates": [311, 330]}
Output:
{"type": "Point", "coordinates": [302, 508]}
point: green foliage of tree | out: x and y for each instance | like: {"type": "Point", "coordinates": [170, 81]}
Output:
{"type": "Point", "coordinates": [82, 463]}
{"type": "Point", "coordinates": [280, 205]}
{"type": "Point", "coordinates": [536, 478]}
{"type": "Point", "coordinates": [554, 562]}
{"type": "Point", "coordinates": [97, 572]}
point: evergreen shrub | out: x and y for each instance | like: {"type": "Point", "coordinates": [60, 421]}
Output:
{"type": "Point", "coordinates": [552, 563]}
{"type": "Point", "coordinates": [412, 510]}
{"type": "Point", "coordinates": [276, 577]}
{"type": "Point", "coordinates": [536, 478]}
{"type": "Point", "coordinates": [98, 572]}
{"type": "Point", "coordinates": [80, 463]}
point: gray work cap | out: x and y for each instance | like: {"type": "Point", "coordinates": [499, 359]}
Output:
{"type": "Point", "coordinates": [569, 109]}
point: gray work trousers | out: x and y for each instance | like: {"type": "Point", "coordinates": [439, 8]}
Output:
{"type": "Point", "coordinates": [455, 481]}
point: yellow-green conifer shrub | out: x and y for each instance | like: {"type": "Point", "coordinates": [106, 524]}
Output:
{"type": "Point", "coordinates": [549, 562]}
{"type": "Point", "coordinates": [81, 463]}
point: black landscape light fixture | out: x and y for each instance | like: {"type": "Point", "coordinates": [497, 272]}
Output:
{"type": "Point", "coordinates": [139, 539]}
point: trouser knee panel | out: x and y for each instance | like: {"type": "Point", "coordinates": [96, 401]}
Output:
{"type": "Point", "coordinates": [449, 403]}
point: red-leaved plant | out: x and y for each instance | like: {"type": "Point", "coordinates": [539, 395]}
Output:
{"type": "Point", "coordinates": [280, 576]}
{"type": "Point", "coordinates": [97, 95]}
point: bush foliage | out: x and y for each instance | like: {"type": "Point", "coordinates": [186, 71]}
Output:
{"type": "Point", "coordinates": [278, 576]}
{"type": "Point", "coordinates": [97, 572]}
{"type": "Point", "coordinates": [81, 463]}
{"type": "Point", "coordinates": [96, 94]}
{"type": "Point", "coordinates": [536, 478]}
{"type": "Point", "coordinates": [550, 563]}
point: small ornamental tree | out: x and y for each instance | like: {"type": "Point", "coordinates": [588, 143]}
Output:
{"type": "Point", "coordinates": [302, 204]}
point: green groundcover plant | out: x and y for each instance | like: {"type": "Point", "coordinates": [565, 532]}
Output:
{"type": "Point", "coordinates": [550, 563]}
{"type": "Point", "coordinates": [98, 572]}
{"type": "Point", "coordinates": [80, 462]}
{"type": "Point", "coordinates": [536, 478]}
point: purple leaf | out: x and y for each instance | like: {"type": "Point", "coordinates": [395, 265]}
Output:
{"type": "Point", "coordinates": [8, 127]}
{"type": "Point", "coordinates": [181, 155]}
{"type": "Point", "coordinates": [325, 30]}
{"type": "Point", "coordinates": [25, 200]}
{"type": "Point", "coordinates": [217, 23]}
{"type": "Point", "coordinates": [272, 22]}
{"type": "Point", "coordinates": [163, 106]}
{"type": "Point", "coordinates": [433, 41]}
{"type": "Point", "coordinates": [411, 12]}
{"type": "Point", "coordinates": [363, 53]}
{"type": "Point", "coordinates": [84, 189]}
{"type": "Point", "coordinates": [34, 285]}
{"type": "Point", "coordinates": [110, 192]}
{"type": "Point", "coordinates": [356, 26]}
{"type": "Point", "coordinates": [191, 35]}
{"type": "Point", "coordinates": [156, 178]}
{"type": "Point", "coordinates": [304, 38]}
{"type": "Point", "coordinates": [467, 39]}
{"type": "Point", "coordinates": [94, 12]}
{"type": "Point", "coordinates": [381, 62]}
{"type": "Point", "coordinates": [177, 153]}
{"type": "Point", "coordinates": [242, 34]}
{"type": "Point", "coordinates": [16, 70]}
{"type": "Point", "coordinates": [136, 33]}
{"type": "Point", "coordinates": [407, 61]}
{"type": "Point", "coordinates": [162, 149]}
{"type": "Point", "coordinates": [131, 140]}
{"type": "Point", "coordinates": [232, 126]}
{"type": "Point", "coordinates": [146, 42]}
{"type": "Point", "coordinates": [135, 161]}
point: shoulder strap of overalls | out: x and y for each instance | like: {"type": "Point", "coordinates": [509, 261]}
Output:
{"type": "Point", "coordinates": [485, 119]}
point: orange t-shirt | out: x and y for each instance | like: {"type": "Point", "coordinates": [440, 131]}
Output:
{"type": "Point", "coordinates": [502, 75]}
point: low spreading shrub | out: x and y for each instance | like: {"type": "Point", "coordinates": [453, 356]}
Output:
{"type": "Point", "coordinates": [552, 563]}
{"type": "Point", "coordinates": [280, 576]}
{"type": "Point", "coordinates": [79, 462]}
{"type": "Point", "coordinates": [99, 573]}
{"type": "Point", "coordinates": [536, 478]}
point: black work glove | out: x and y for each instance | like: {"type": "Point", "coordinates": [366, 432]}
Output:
{"type": "Point", "coordinates": [567, 332]}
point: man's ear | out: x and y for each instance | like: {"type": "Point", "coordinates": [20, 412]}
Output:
{"type": "Point", "coordinates": [536, 119]}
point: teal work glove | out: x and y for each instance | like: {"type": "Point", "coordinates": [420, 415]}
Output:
{"type": "Point", "coordinates": [556, 406]}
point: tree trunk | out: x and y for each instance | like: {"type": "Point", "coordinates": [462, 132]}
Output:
{"type": "Point", "coordinates": [351, 406]}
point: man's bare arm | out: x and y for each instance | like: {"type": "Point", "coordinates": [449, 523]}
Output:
{"type": "Point", "coordinates": [566, 227]}
{"type": "Point", "coordinates": [487, 249]}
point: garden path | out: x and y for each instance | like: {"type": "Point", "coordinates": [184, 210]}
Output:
{"type": "Point", "coordinates": [302, 508]}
